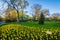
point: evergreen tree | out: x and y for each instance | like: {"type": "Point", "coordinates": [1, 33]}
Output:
{"type": "Point", "coordinates": [41, 20]}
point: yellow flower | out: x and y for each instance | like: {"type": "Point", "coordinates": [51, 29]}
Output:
{"type": "Point", "coordinates": [48, 32]}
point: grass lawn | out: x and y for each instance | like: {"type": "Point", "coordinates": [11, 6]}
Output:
{"type": "Point", "coordinates": [47, 25]}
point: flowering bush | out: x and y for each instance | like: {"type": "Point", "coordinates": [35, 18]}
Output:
{"type": "Point", "coordinates": [20, 32]}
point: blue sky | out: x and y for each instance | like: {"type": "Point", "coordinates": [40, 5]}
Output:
{"type": "Point", "coordinates": [52, 5]}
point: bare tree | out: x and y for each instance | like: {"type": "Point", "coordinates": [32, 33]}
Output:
{"type": "Point", "coordinates": [23, 4]}
{"type": "Point", "coordinates": [37, 10]}
{"type": "Point", "coordinates": [16, 5]}
{"type": "Point", "coordinates": [45, 12]}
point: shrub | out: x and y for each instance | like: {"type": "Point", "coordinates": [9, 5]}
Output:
{"type": "Point", "coordinates": [19, 32]}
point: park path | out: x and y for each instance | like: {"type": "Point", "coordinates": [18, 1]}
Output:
{"type": "Point", "coordinates": [2, 22]}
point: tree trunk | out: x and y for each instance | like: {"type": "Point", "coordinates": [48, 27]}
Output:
{"type": "Point", "coordinates": [18, 19]}
{"type": "Point", "coordinates": [22, 14]}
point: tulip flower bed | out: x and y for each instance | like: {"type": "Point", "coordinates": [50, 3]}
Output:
{"type": "Point", "coordinates": [20, 32]}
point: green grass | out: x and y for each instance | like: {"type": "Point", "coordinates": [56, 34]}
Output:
{"type": "Point", "coordinates": [47, 25]}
